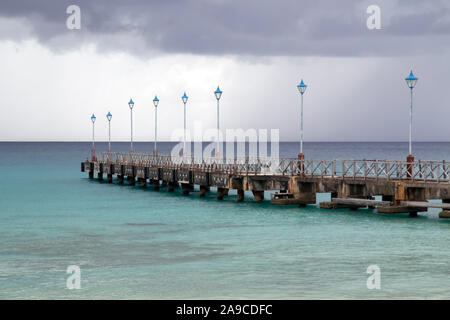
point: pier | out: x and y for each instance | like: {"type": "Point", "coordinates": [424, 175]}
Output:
{"type": "Point", "coordinates": [405, 187]}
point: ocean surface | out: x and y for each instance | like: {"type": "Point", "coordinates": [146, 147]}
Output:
{"type": "Point", "coordinates": [135, 243]}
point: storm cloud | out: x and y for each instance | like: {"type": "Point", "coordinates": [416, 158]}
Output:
{"type": "Point", "coordinates": [252, 27]}
{"type": "Point", "coordinates": [54, 78]}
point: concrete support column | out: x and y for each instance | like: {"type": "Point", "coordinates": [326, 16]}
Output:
{"type": "Point", "coordinates": [186, 188]}
{"type": "Point", "coordinates": [240, 195]}
{"type": "Point", "coordinates": [400, 193]}
{"type": "Point", "coordinates": [413, 214]}
{"type": "Point", "coordinates": [155, 184]}
{"type": "Point", "coordinates": [142, 182]}
{"type": "Point", "coordinates": [110, 178]}
{"type": "Point", "coordinates": [120, 178]}
{"type": "Point", "coordinates": [303, 192]}
{"type": "Point", "coordinates": [371, 206]}
{"type": "Point", "coordinates": [100, 175]}
{"type": "Point", "coordinates": [171, 186]}
{"type": "Point", "coordinates": [132, 180]}
{"type": "Point", "coordinates": [203, 190]}
{"type": "Point", "coordinates": [91, 174]}
{"type": "Point", "coordinates": [221, 192]}
{"type": "Point", "coordinates": [258, 196]}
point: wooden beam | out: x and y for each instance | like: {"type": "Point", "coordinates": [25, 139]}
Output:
{"type": "Point", "coordinates": [425, 204]}
{"type": "Point", "coordinates": [361, 202]}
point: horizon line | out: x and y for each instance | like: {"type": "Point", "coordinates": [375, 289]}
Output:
{"type": "Point", "coordinates": [152, 141]}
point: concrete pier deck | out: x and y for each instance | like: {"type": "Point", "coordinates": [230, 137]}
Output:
{"type": "Point", "coordinates": [403, 186]}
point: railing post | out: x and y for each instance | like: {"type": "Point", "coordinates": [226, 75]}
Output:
{"type": "Point", "coordinates": [376, 170]}
{"type": "Point", "coordinates": [420, 169]}
{"type": "Point", "coordinates": [321, 169]}
{"type": "Point", "coordinates": [366, 168]}
{"type": "Point", "coordinates": [246, 165]}
{"type": "Point", "coordinates": [333, 168]}
{"type": "Point", "coordinates": [439, 172]}
{"type": "Point", "coordinates": [445, 170]}
{"type": "Point", "coordinates": [388, 171]}
{"type": "Point", "coordinates": [424, 172]}
{"type": "Point", "coordinates": [343, 169]}
{"type": "Point", "coordinates": [354, 169]}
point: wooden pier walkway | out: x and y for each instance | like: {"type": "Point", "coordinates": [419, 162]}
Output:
{"type": "Point", "coordinates": [403, 186]}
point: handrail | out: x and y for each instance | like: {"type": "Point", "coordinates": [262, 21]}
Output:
{"type": "Point", "coordinates": [338, 168]}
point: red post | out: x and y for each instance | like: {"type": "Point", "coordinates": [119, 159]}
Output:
{"type": "Point", "coordinates": [93, 158]}
{"type": "Point", "coordinates": [409, 166]}
{"type": "Point", "coordinates": [301, 163]}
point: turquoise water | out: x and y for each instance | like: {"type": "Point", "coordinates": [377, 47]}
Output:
{"type": "Point", "coordinates": [133, 243]}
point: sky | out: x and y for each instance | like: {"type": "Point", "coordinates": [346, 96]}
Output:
{"type": "Point", "coordinates": [53, 78]}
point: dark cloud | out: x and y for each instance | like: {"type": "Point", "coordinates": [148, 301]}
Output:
{"type": "Point", "coordinates": [262, 27]}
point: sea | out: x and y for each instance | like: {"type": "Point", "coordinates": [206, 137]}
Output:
{"type": "Point", "coordinates": [129, 242]}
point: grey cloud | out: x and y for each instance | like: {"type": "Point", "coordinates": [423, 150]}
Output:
{"type": "Point", "coordinates": [215, 27]}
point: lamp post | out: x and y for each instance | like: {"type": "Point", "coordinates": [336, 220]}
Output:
{"type": "Point", "coordinates": [93, 138]}
{"type": "Point", "coordinates": [155, 103]}
{"type": "Point", "coordinates": [184, 98]}
{"type": "Point", "coordinates": [131, 105]}
{"type": "Point", "coordinates": [109, 117]}
{"type": "Point", "coordinates": [301, 88]}
{"type": "Point", "coordinates": [218, 94]}
{"type": "Point", "coordinates": [411, 81]}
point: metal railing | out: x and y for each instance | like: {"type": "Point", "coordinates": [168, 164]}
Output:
{"type": "Point", "coordinates": [437, 171]}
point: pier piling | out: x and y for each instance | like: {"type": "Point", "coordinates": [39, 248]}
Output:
{"type": "Point", "coordinates": [155, 184]}
{"type": "Point", "coordinates": [203, 190]}
{"type": "Point", "coordinates": [142, 182]}
{"type": "Point", "coordinates": [258, 195]}
{"type": "Point", "coordinates": [240, 195]}
{"type": "Point", "coordinates": [186, 188]}
{"type": "Point", "coordinates": [221, 192]}
{"type": "Point", "coordinates": [171, 186]}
